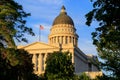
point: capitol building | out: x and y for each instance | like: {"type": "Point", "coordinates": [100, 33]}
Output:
{"type": "Point", "coordinates": [62, 37]}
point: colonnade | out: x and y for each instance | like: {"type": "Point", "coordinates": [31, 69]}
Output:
{"type": "Point", "coordinates": [38, 60]}
{"type": "Point", "coordinates": [63, 40]}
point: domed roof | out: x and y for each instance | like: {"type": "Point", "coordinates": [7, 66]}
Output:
{"type": "Point", "coordinates": [63, 18]}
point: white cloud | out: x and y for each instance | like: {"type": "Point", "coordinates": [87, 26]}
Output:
{"type": "Point", "coordinates": [41, 12]}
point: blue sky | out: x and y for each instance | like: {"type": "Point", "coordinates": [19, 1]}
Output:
{"type": "Point", "coordinates": [43, 12]}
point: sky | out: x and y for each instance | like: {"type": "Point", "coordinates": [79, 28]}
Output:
{"type": "Point", "coordinates": [43, 12]}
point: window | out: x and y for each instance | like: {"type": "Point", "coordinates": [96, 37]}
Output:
{"type": "Point", "coordinates": [89, 67]}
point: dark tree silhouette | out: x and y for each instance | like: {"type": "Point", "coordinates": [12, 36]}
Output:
{"type": "Point", "coordinates": [107, 34]}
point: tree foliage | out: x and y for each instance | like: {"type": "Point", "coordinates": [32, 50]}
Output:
{"type": "Point", "coordinates": [107, 34]}
{"type": "Point", "coordinates": [12, 23]}
{"type": "Point", "coordinates": [83, 76]}
{"type": "Point", "coordinates": [59, 66]}
{"type": "Point", "coordinates": [15, 64]}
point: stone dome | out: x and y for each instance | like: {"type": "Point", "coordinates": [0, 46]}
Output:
{"type": "Point", "coordinates": [63, 31]}
{"type": "Point", "coordinates": [63, 18]}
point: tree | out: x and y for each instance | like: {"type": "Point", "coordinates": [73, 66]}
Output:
{"type": "Point", "coordinates": [107, 34]}
{"type": "Point", "coordinates": [59, 66]}
{"type": "Point", "coordinates": [15, 64]}
{"type": "Point", "coordinates": [83, 76]}
{"type": "Point", "coordinates": [12, 23]}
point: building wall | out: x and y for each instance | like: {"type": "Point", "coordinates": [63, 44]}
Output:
{"type": "Point", "coordinates": [40, 52]}
{"type": "Point", "coordinates": [94, 68]}
{"type": "Point", "coordinates": [94, 74]}
{"type": "Point", "coordinates": [80, 65]}
{"type": "Point", "coordinates": [62, 37]}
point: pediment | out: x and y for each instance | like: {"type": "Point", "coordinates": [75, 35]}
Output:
{"type": "Point", "coordinates": [38, 45]}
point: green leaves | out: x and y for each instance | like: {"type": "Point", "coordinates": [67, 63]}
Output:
{"type": "Point", "coordinates": [89, 17]}
{"type": "Point", "coordinates": [59, 66]}
{"type": "Point", "coordinates": [107, 34]}
{"type": "Point", "coordinates": [15, 63]}
{"type": "Point", "coordinates": [12, 22]}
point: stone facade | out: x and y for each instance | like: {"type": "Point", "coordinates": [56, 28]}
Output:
{"type": "Point", "coordinates": [62, 37]}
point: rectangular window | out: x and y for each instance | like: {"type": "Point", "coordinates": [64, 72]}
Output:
{"type": "Point", "coordinates": [89, 67]}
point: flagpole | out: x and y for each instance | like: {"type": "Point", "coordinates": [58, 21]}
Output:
{"type": "Point", "coordinates": [39, 35]}
{"type": "Point", "coordinates": [41, 28]}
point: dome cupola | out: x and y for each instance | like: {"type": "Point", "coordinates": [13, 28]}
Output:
{"type": "Point", "coordinates": [63, 18]}
{"type": "Point", "coordinates": [63, 30]}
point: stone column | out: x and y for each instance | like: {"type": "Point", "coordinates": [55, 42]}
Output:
{"type": "Point", "coordinates": [57, 39]}
{"type": "Point", "coordinates": [54, 39]}
{"type": "Point", "coordinates": [45, 60]}
{"type": "Point", "coordinates": [71, 39]}
{"type": "Point", "coordinates": [73, 57]}
{"type": "Point", "coordinates": [64, 40]}
{"type": "Point", "coordinates": [43, 55]}
{"type": "Point", "coordinates": [34, 60]}
{"type": "Point", "coordinates": [60, 39]}
{"type": "Point", "coordinates": [40, 64]}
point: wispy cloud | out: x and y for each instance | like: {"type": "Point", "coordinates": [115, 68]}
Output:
{"type": "Point", "coordinates": [87, 47]}
{"type": "Point", "coordinates": [42, 9]}
{"type": "Point", "coordinates": [55, 2]}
